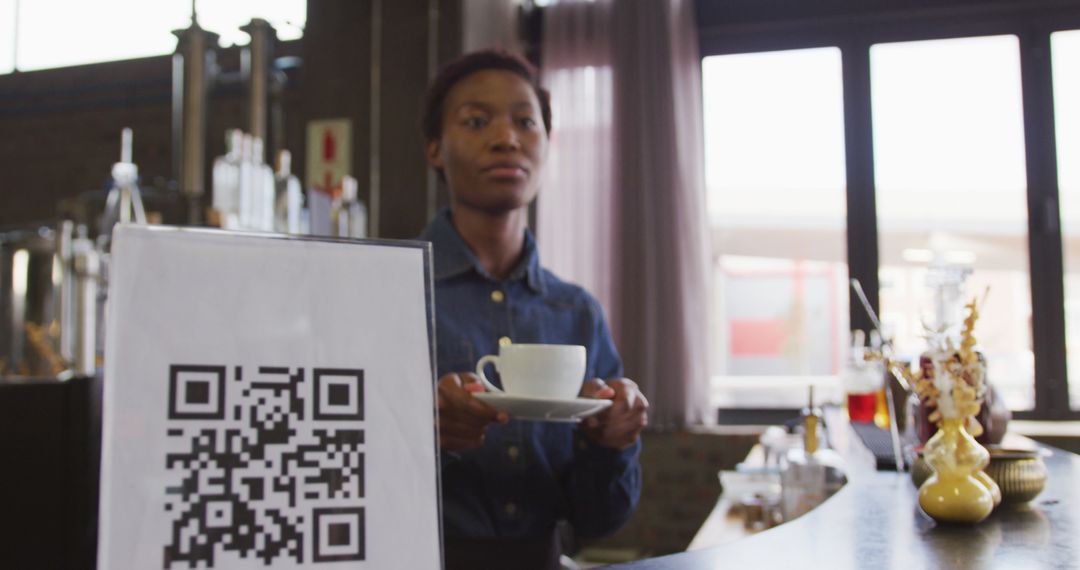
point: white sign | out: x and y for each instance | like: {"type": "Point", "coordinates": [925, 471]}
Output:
{"type": "Point", "coordinates": [329, 153]}
{"type": "Point", "coordinates": [269, 403]}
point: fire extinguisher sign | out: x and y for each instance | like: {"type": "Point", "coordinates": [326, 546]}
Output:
{"type": "Point", "coordinates": [329, 152]}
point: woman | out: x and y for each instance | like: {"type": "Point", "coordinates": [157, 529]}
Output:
{"type": "Point", "coordinates": [506, 483]}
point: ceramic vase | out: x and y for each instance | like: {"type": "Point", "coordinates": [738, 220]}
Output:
{"type": "Point", "coordinates": [956, 493]}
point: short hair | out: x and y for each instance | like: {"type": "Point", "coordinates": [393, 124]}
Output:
{"type": "Point", "coordinates": [431, 121]}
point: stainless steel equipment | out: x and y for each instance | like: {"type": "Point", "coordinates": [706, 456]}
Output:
{"type": "Point", "coordinates": [194, 65]}
{"type": "Point", "coordinates": [86, 273]}
{"type": "Point", "coordinates": [28, 296]}
{"type": "Point", "coordinates": [124, 203]}
{"type": "Point", "coordinates": [65, 295]}
{"type": "Point", "coordinates": [49, 302]}
{"type": "Point", "coordinates": [195, 74]}
{"type": "Point", "coordinates": [51, 285]}
{"type": "Point", "coordinates": [257, 62]}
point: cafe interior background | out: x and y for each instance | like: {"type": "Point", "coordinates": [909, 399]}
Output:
{"type": "Point", "coordinates": [719, 170]}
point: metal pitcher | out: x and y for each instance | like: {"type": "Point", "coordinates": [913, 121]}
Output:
{"type": "Point", "coordinates": [49, 283]}
{"type": "Point", "coordinates": [29, 302]}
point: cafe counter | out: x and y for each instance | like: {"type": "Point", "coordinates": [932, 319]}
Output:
{"type": "Point", "coordinates": [49, 495]}
{"type": "Point", "coordinates": [874, 522]}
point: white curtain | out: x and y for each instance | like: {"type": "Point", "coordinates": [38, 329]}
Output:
{"type": "Point", "coordinates": [622, 210]}
{"type": "Point", "coordinates": [575, 219]}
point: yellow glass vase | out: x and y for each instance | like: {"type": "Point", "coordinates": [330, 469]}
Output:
{"type": "Point", "coordinates": [955, 493]}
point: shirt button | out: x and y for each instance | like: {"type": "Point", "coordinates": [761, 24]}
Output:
{"type": "Point", "coordinates": [513, 452]}
{"type": "Point", "coordinates": [511, 509]}
{"type": "Point", "coordinates": [497, 296]}
{"type": "Point", "coordinates": [504, 341]}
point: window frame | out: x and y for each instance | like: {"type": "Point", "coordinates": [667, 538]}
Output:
{"type": "Point", "coordinates": [854, 33]}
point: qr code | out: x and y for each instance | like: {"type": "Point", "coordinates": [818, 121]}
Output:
{"type": "Point", "coordinates": [264, 464]}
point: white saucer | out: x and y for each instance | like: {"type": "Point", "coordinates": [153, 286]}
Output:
{"type": "Point", "coordinates": [544, 409]}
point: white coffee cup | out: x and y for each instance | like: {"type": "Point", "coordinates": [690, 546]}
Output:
{"type": "Point", "coordinates": [553, 371]}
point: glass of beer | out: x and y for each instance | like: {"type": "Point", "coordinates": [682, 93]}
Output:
{"type": "Point", "coordinates": [863, 382]}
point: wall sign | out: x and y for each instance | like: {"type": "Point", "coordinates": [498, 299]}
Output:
{"type": "Point", "coordinates": [269, 403]}
{"type": "Point", "coordinates": [329, 154]}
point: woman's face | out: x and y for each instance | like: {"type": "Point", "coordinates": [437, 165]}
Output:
{"type": "Point", "coordinates": [493, 142]}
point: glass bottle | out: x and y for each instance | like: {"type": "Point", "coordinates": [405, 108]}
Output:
{"type": "Point", "coordinates": [226, 181]}
{"type": "Point", "coordinates": [802, 474]}
{"type": "Point", "coordinates": [348, 215]}
{"type": "Point", "coordinates": [289, 199]}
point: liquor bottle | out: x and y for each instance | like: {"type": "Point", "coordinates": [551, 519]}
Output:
{"type": "Point", "coordinates": [262, 212]}
{"type": "Point", "coordinates": [246, 203]}
{"type": "Point", "coordinates": [226, 181]}
{"type": "Point", "coordinates": [992, 416]}
{"type": "Point", "coordinates": [348, 216]}
{"type": "Point", "coordinates": [802, 474]}
{"type": "Point", "coordinates": [289, 198]}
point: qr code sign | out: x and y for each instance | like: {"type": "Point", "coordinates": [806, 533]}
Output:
{"type": "Point", "coordinates": [264, 464]}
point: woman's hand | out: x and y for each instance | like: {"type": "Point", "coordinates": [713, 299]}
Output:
{"type": "Point", "coordinates": [463, 419]}
{"type": "Point", "coordinates": [620, 425]}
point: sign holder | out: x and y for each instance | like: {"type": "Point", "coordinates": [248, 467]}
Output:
{"type": "Point", "coordinates": [269, 403]}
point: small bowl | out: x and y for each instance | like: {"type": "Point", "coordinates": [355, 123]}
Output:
{"type": "Point", "coordinates": [1020, 473]}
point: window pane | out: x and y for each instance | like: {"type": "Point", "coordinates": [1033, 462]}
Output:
{"type": "Point", "coordinates": [1065, 55]}
{"type": "Point", "coordinates": [7, 35]}
{"type": "Point", "coordinates": [951, 193]}
{"type": "Point", "coordinates": [774, 144]}
{"type": "Point", "coordinates": [107, 30]}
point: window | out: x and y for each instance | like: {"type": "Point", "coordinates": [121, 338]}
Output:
{"type": "Point", "coordinates": [106, 30]}
{"type": "Point", "coordinates": [938, 95]}
{"type": "Point", "coordinates": [1065, 57]}
{"type": "Point", "coordinates": [951, 185]}
{"type": "Point", "coordinates": [7, 35]}
{"type": "Point", "coordinates": [775, 173]}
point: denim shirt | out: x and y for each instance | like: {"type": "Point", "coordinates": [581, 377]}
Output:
{"type": "Point", "coordinates": [527, 475]}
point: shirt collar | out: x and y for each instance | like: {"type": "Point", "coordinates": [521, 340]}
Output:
{"type": "Point", "coordinates": [453, 256]}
